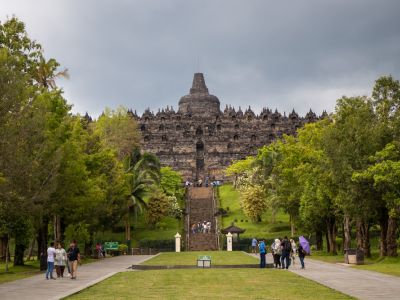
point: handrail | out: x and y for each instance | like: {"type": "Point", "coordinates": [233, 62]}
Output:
{"type": "Point", "coordinates": [215, 217]}
{"type": "Point", "coordinates": [187, 204]}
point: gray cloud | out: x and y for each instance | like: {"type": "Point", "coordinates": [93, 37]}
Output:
{"type": "Point", "coordinates": [297, 54]}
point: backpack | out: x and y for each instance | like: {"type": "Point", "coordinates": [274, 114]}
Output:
{"type": "Point", "coordinates": [287, 246]}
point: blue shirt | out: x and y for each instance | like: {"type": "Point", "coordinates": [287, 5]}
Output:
{"type": "Point", "coordinates": [262, 247]}
{"type": "Point", "coordinates": [254, 242]}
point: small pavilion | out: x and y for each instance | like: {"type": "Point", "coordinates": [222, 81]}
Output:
{"type": "Point", "coordinates": [234, 230]}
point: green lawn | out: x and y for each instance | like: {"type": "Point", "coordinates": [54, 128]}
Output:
{"type": "Point", "coordinates": [189, 258]}
{"type": "Point", "coordinates": [209, 284]}
{"type": "Point", "coordinates": [229, 198]}
{"type": "Point", "coordinates": [31, 268]}
{"type": "Point", "coordinates": [387, 265]}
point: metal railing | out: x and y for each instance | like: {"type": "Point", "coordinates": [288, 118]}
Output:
{"type": "Point", "coordinates": [187, 223]}
{"type": "Point", "coordinates": [215, 217]}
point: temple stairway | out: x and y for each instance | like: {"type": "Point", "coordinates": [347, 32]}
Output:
{"type": "Point", "coordinates": [201, 208]}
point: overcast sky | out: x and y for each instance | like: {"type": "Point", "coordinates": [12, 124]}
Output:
{"type": "Point", "coordinates": [279, 54]}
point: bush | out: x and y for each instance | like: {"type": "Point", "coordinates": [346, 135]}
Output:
{"type": "Point", "coordinates": [161, 225]}
{"type": "Point", "coordinates": [122, 248]}
{"type": "Point", "coordinates": [162, 245]}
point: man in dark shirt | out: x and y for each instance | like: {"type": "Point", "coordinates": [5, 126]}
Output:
{"type": "Point", "coordinates": [74, 257]}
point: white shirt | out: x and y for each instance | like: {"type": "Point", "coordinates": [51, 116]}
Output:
{"type": "Point", "coordinates": [51, 252]}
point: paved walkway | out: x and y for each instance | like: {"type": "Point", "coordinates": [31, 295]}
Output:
{"type": "Point", "coordinates": [358, 283]}
{"type": "Point", "coordinates": [37, 287]}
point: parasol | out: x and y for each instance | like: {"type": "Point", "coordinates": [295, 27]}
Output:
{"type": "Point", "coordinates": [305, 244]}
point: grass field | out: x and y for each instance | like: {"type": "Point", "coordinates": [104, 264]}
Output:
{"type": "Point", "coordinates": [387, 265]}
{"type": "Point", "coordinates": [29, 269]}
{"type": "Point", "coordinates": [229, 198]}
{"type": "Point", "coordinates": [208, 284]}
{"type": "Point", "coordinates": [189, 258]}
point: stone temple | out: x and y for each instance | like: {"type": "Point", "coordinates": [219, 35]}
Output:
{"type": "Point", "coordinates": [200, 140]}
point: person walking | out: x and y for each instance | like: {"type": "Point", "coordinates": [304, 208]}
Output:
{"type": "Point", "coordinates": [60, 261]}
{"type": "Point", "coordinates": [276, 252]}
{"type": "Point", "coordinates": [286, 251]}
{"type": "Point", "coordinates": [263, 252]}
{"type": "Point", "coordinates": [294, 251]}
{"type": "Point", "coordinates": [74, 257]}
{"type": "Point", "coordinates": [302, 255]}
{"type": "Point", "coordinates": [254, 245]}
{"type": "Point", "coordinates": [51, 252]}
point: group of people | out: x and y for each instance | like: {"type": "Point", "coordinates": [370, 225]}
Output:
{"type": "Point", "coordinates": [200, 227]}
{"type": "Point", "coordinates": [60, 258]}
{"type": "Point", "coordinates": [199, 183]}
{"type": "Point", "coordinates": [283, 251]}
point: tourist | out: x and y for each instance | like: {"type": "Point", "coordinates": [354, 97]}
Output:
{"type": "Point", "coordinates": [263, 252]}
{"type": "Point", "coordinates": [208, 227]}
{"type": "Point", "coordinates": [99, 251]}
{"type": "Point", "coordinates": [294, 249]}
{"type": "Point", "coordinates": [194, 228]}
{"type": "Point", "coordinates": [206, 181]}
{"type": "Point", "coordinates": [61, 260]}
{"type": "Point", "coordinates": [74, 257]}
{"type": "Point", "coordinates": [51, 252]}
{"type": "Point", "coordinates": [276, 252]}
{"type": "Point", "coordinates": [302, 254]}
{"type": "Point", "coordinates": [254, 245]}
{"type": "Point", "coordinates": [286, 251]}
{"type": "Point", "coordinates": [200, 183]}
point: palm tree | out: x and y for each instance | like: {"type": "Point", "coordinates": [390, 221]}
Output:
{"type": "Point", "coordinates": [46, 73]}
{"type": "Point", "coordinates": [143, 171]}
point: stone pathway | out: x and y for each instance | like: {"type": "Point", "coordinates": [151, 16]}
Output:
{"type": "Point", "coordinates": [358, 283]}
{"type": "Point", "coordinates": [37, 287]}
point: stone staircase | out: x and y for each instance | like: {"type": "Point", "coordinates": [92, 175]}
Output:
{"type": "Point", "coordinates": [201, 204]}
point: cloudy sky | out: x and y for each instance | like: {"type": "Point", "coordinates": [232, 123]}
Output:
{"type": "Point", "coordinates": [291, 54]}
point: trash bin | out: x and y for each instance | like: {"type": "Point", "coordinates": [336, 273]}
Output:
{"type": "Point", "coordinates": [354, 256]}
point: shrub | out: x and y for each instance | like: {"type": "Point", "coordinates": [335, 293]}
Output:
{"type": "Point", "coordinates": [162, 245]}
{"type": "Point", "coordinates": [122, 247]}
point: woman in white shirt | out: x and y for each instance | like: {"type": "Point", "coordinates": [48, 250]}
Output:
{"type": "Point", "coordinates": [60, 261]}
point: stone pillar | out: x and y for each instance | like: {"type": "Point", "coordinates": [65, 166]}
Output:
{"type": "Point", "coordinates": [177, 242]}
{"type": "Point", "coordinates": [229, 241]}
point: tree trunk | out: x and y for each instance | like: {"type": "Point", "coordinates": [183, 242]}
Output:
{"type": "Point", "coordinates": [319, 240]}
{"type": "Point", "coordinates": [328, 245]}
{"type": "Point", "coordinates": [19, 252]}
{"type": "Point", "coordinates": [42, 239]}
{"type": "Point", "coordinates": [292, 228]}
{"type": "Point", "coordinates": [362, 234]}
{"type": "Point", "coordinates": [273, 215]}
{"type": "Point", "coordinates": [57, 228]}
{"type": "Point", "coordinates": [346, 232]}
{"type": "Point", "coordinates": [30, 249]}
{"type": "Point", "coordinates": [391, 237]}
{"type": "Point", "coordinates": [331, 231]}
{"type": "Point", "coordinates": [383, 222]}
{"type": "Point", "coordinates": [3, 247]}
{"type": "Point", "coordinates": [7, 251]}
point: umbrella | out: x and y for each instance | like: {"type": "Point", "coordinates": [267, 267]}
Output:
{"type": "Point", "coordinates": [305, 244]}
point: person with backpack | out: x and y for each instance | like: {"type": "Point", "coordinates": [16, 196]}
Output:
{"type": "Point", "coordinates": [302, 255]}
{"type": "Point", "coordinates": [263, 252]}
{"type": "Point", "coordinates": [286, 250]}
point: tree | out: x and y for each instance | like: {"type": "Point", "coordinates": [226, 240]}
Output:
{"type": "Point", "coordinates": [253, 201]}
{"type": "Point", "coordinates": [385, 173]}
{"type": "Point", "coordinates": [158, 207]}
